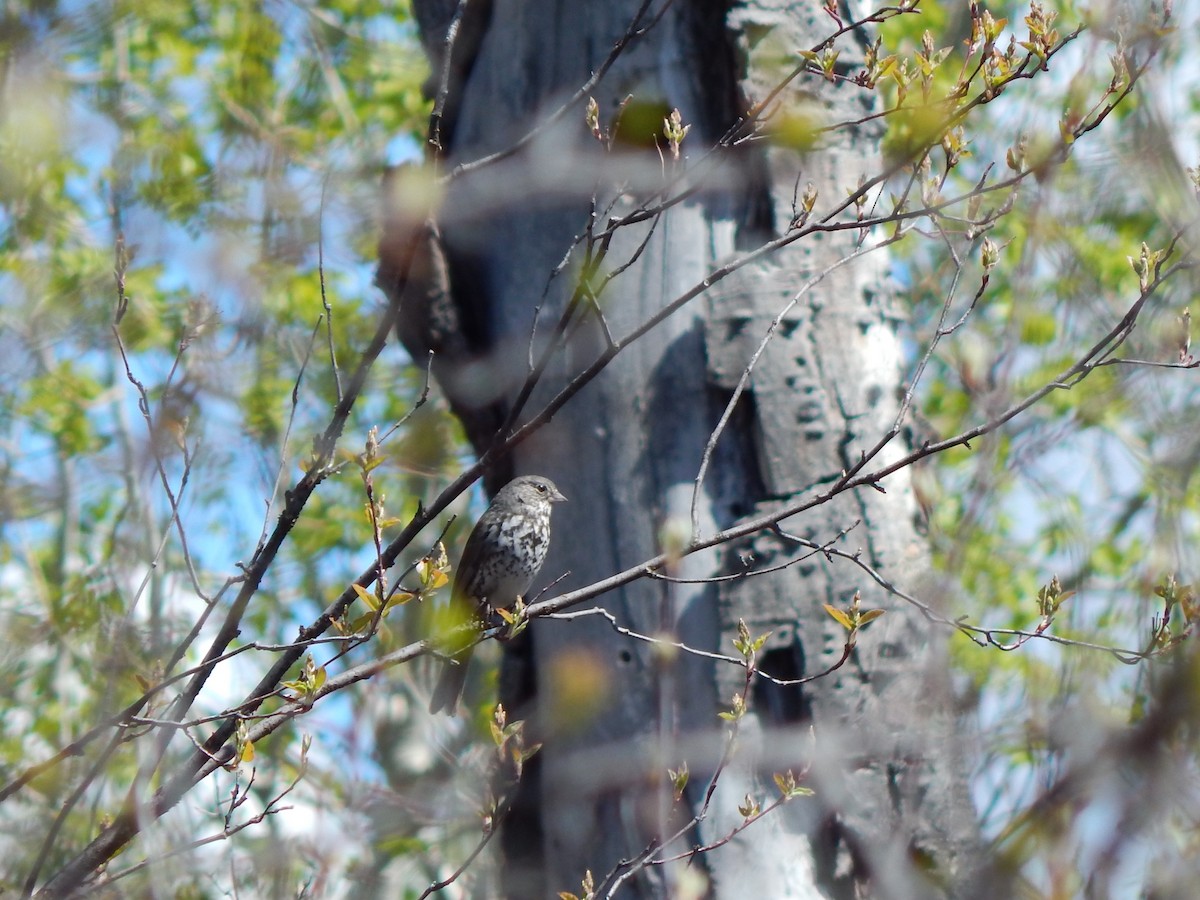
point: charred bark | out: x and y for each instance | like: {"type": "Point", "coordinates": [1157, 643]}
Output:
{"type": "Point", "coordinates": [891, 815]}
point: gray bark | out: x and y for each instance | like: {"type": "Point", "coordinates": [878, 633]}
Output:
{"type": "Point", "coordinates": [876, 736]}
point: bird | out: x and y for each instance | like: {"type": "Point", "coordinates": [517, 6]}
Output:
{"type": "Point", "coordinates": [502, 556]}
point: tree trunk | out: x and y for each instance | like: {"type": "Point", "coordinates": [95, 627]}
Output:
{"type": "Point", "coordinates": [891, 813]}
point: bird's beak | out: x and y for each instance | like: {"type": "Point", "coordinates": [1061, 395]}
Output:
{"type": "Point", "coordinates": [557, 497]}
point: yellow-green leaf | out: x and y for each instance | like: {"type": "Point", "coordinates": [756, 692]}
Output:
{"type": "Point", "coordinates": [869, 615]}
{"type": "Point", "coordinates": [840, 617]}
{"type": "Point", "coordinates": [366, 596]}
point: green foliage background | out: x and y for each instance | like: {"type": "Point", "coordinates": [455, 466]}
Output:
{"type": "Point", "coordinates": [233, 147]}
{"type": "Point", "coordinates": [1096, 485]}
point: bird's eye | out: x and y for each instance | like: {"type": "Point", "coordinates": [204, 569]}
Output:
{"type": "Point", "coordinates": [541, 488]}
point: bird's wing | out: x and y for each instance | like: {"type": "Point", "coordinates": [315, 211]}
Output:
{"type": "Point", "coordinates": [469, 561]}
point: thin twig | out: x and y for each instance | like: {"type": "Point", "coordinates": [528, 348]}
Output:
{"type": "Point", "coordinates": [585, 89]}
{"type": "Point", "coordinates": [434, 136]}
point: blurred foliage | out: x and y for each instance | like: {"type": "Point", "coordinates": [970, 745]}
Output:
{"type": "Point", "coordinates": [1094, 485]}
{"type": "Point", "coordinates": [222, 142]}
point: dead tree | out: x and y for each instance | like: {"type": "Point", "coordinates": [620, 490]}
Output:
{"type": "Point", "coordinates": [579, 233]}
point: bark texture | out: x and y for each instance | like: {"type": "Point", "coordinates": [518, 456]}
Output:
{"type": "Point", "coordinates": [891, 816]}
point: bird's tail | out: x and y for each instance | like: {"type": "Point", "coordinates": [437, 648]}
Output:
{"type": "Point", "coordinates": [449, 687]}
